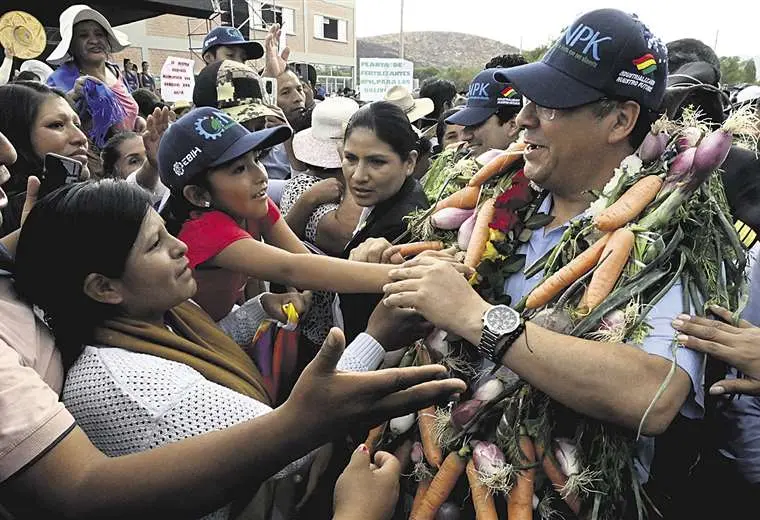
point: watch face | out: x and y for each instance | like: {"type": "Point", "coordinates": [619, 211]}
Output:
{"type": "Point", "coordinates": [502, 319]}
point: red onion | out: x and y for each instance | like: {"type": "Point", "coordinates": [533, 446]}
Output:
{"type": "Point", "coordinates": [712, 151]}
{"type": "Point", "coordinates": [689, 138]}
{"type": "Point", "coordinates": [683, 162]}
{"type": "Point", "coordinates": [488, 458]}
{"type": "Point", "coordinates": [465, 231]}
{"type": "Point", "coordinates": [464, 412]}
{"type": "Point", "coordinates": [653, 146]}
{"type": "Point", "coordinates": [417, 452]}
{"type": "Point", "coordinates": [450, 218]}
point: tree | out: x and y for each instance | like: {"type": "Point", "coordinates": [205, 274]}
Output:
{"type": "Point", "coordinates": [423, 73]}
{"type": "Point", "coordinates": [535, 54]}
{"type": "Point", "coordinates": [750, 73]}
{"type": "Point", "coordinates": [733, 70]}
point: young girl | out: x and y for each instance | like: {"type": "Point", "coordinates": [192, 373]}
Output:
{"type": "Point", "coordinates": [123, 154]}
{"type": "Point", "coordinates": [210, 164]}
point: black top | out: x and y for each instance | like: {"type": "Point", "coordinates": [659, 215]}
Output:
{"type": "Point", "coordinates": [386, 221]}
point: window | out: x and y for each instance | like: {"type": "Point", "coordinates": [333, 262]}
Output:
{"type": "Point", "coordinates": [264, 15]}
{"type": "Point", "coordinates": [326, 28]}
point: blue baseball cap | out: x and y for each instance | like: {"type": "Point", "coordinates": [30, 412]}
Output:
{"type": "Point", "coordinates": [604, 53]}
{"type": "Point", "coordinates": [484, 98]}
{"type": "Point", "coordinates": [231, 36]}
{"type": "Point", "coordinates": [204, 138]}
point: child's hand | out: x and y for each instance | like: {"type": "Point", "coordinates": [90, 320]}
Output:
{"type": "Point", "coordinates": [365, 490]}
{"type": "Point", "coordinates": [273, 302]}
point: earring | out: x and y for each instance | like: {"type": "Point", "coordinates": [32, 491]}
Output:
{"type": "Point", "coordinates": [206, 204]}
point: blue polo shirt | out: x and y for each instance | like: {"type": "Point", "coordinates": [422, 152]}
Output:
{"type": "Point", "coordinates": [659, 341]}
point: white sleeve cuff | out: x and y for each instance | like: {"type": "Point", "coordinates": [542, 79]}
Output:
{"type": "Point", "coordinates": [362, 355]}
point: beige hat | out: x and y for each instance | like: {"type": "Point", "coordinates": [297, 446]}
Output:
{"type": "Point", "coordinates": [318, 145]}
{"type": "Point", "coordinates": [41, 69]}
{"type": "Point", "coordinates": [23, 34]}
{"type": "Point", "coordinates": [414, 108]}
{"type": "Point", "coordinates": [80, 13]}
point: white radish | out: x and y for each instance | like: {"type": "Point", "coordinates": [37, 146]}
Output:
{"type": "Point", "coordinates": [489, 390]}
{"type": "Point", "coordinates": [566, 454]}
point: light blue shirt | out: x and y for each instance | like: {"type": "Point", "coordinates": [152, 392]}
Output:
{"type": "Point", "coordinates": [659, 341]}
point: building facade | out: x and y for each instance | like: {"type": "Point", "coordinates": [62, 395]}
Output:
{"type": "Point", "coordinates": [318, 32]}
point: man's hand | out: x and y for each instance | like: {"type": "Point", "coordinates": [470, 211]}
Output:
{"type": "Point", "coordinates": [396, 328]}
{"type": "Point", "coordinates": [275, 63]}
{"type": "Point", "coordinates": [739, 346]}
{"type": "Point", "coordinates": [440, 293]}
{"type": "Point", "coordinates": [350, 400]}
{"type": "Point", "coordinates": [365, 490]}
{"type": "Point", "coordinates": [156, 125]}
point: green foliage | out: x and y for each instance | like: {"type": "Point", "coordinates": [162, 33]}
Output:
{"type": "Point", "coordinates": [461, 76]}
{"type": "Point", "coordinates": [535, 54]}
{"type": "Point", "coordinates": [734, 70]}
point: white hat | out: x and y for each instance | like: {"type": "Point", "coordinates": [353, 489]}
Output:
{"type": "Point", "coordinates": [748, 94]}
{"type": "Point", "coordinates": [413, 108]}
{"type": "Point", "coordinates": [318, 145]}
{"type": "Point", "coordinates": [37, 67]}
{"type": "Point", "coordinates": [80, 13]}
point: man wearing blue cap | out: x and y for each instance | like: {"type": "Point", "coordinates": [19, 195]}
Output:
{"type": "Point", "coordinates": [590, 102]}
{"type": "Point", "coordinates": [489, 117]}
{"type": "Point", "coordinates": [227, 43]}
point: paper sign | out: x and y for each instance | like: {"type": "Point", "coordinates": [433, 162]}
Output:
{"type": "Point", "coordinates": [377, 75]}
{"type": "Point", "coordinates": [177, 79]}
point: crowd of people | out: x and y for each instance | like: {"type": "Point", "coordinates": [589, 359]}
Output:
{"type": "Point", "coordinates": [226, 307]}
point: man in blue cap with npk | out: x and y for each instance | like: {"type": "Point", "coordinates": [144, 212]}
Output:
{"type": "Point", "coordinates": [227, 43]}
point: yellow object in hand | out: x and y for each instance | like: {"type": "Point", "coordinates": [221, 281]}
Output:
{"type": "Point", "coordinates": [290, 311]}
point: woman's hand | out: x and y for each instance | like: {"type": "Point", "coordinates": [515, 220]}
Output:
{"type": "Point", "coordinates": [331, 403]}
{"type": "Point", "coordinates": [156, 125]}
{"type": "Point", "coordinates": [365, 490]}
{"type": "Point", "coordinates": [373, 251]}
{"type": "Point", "coordinates": [739, 346]}
{"type": "Point", "coordinates": [326, 190]}
{"type": "Point", "coordinates": [273, 303]}
{"type": "Point", "coordinates": [77, 92]}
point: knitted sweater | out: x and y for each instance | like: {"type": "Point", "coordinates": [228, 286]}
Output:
{"type": "Point", "coordinates": [128, 402]}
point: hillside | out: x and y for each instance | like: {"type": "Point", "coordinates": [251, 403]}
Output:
{"type": "Point", "coordinates": [435, 49]}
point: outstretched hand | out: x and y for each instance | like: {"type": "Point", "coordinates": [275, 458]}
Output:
{"type": "Point", "coordinates": [156, 125]}
{"type": "Point", "coordinates": [275, 63]}
{"type": "Point", "coordinates": [332, 403]}
{"type": "Point", "coordinates": [367, 490]}
{"type": "Point", "coordinates": [738, 345]}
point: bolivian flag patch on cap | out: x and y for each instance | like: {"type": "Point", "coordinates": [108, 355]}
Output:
{"type": "Point", "coordinates": [646, 64]}
{"type": "Point", "coordinates": [508, 92]}
{"type": "Point", "coordinates": [509, 96]}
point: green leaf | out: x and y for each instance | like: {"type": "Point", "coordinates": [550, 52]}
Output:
{"type": "Point", "coordinates": [514, 264]}
{"type": "Point", "coordinates": [538, 221]}
{"type": "Point", "coordinates": [525, 235]}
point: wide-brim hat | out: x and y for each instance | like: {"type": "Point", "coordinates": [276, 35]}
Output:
{"type": "Point", "coordinates": [37, 67]}
{"type": "Point", "coordinates": [414, 108]}
{"type": "Point", "coordinates": [318, 145]}
{"type": "Point", "coordinates": [23, 34]}
{"type": "Point", "coordinates": [80, 13]}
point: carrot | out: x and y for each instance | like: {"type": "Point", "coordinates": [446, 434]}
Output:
{"type": "Point", "coordinates": [441, 486]}
{"type": "Point", "coordinates": [498, 164]}
{"type": "Point", "coordinates": [426, 419]}
{"type": "Point", "coordinates": [613, 260]}
{"type": "Point", "coordinates": [480, 234]}
{"type": "Point", "coordinates": [422, 488]}
{"type": "Point", "coordinates": [566, 275]}
{"type": "Point", "coordinates": [629, 205]}
{"type": "Point", "coordinates": [482, 499]}
{"type": "Point", "coordinates": [415, 248]}
{"type": "Point", "coordinates": [466, 198]}
{"type": "Point", "coordinates": [555, 474]}
{"type": "Point", "coordinates": [374, 437]}
{"type": "Point", "coordinates": [520, 497]}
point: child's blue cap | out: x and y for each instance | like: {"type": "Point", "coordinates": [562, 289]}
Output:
{"type": "Point", "coordinates": [204, 138]}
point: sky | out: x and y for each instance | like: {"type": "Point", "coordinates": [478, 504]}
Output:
{"type": "Point", "coordinates": [537, 22]}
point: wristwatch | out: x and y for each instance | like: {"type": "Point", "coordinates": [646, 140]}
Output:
{"type": "Point", "coordinates": [502, 325]}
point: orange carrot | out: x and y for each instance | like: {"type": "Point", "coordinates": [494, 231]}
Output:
{"type": "Point", "coordinates": [566, 275]}
{"type": "Point", "coordinates": [480, 234]}
{"type": "Point", "coordinates": [498, 164]}
{"type": "Point", "coordinates": [520, 497]}
{"type": "Point", "coordinates": [613, 260]}
{"type": "Point", "coordinates": [374, 437]}
{"type": "Point", "coordinates": [629, 205]}
{"type": "Point", "coordinates": [557, 477]}
{"type": "Point", "coordinates": [415, 248]}
{"type": "Point", "coordinates": [466, 198]}
{"type": "Point", "coordinates": [426, 419]}
{"type": "Point", "coordinates": [441, 486]}
{"type": "Point", "coordinates": [482, 499]}
{"type": "Point", "coordinates": [422, 488]}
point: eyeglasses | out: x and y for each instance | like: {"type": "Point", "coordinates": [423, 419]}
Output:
{"type": "Point", "coordinates": [550, 114]}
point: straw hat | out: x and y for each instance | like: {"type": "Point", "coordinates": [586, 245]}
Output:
{"type": "Point", "coordinates": [318, 145]}
{"type": "Point", "coordinates": [40, 68]}
{"type": "Point", "coordinates": [23, 34]}
{"type": "Point", "coordinates": [80, 13]}
{"type": "Point", "coordinates": [414, 108]}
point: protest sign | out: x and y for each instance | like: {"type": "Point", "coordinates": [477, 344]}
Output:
{"type": "Point", "coordinates": [177, 79]}
{"type": "Point", "coordinates": [377, 75]}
